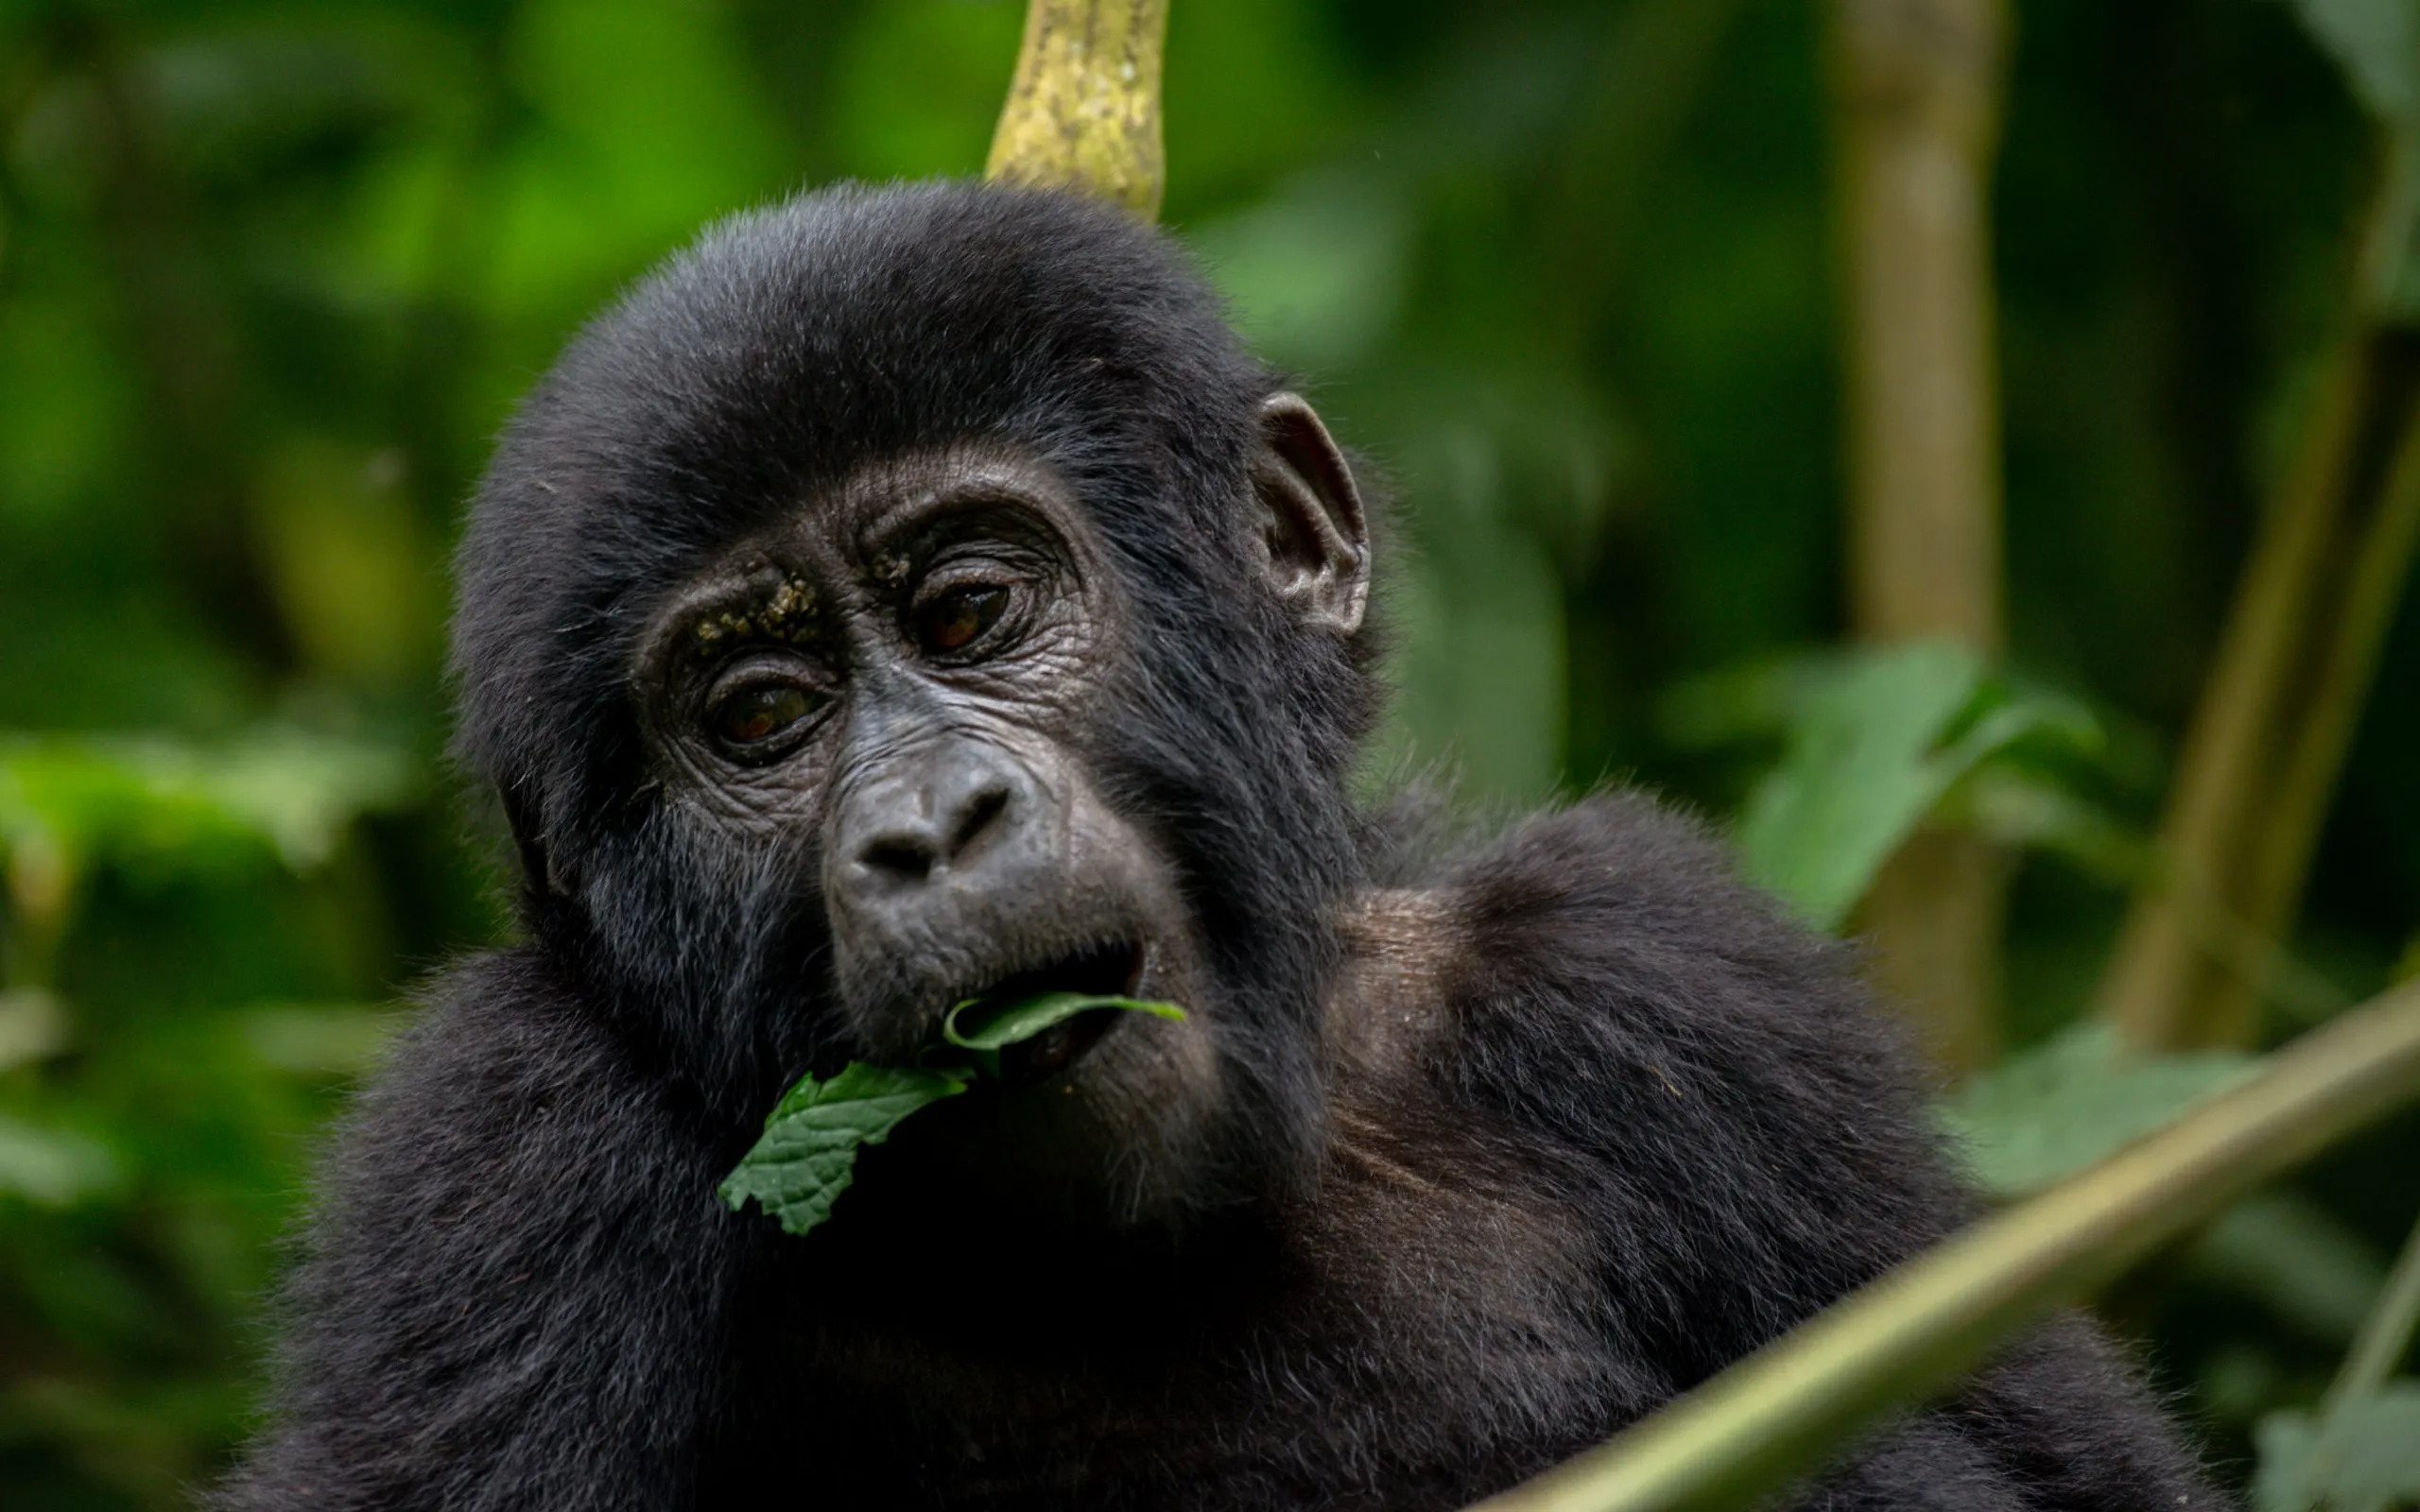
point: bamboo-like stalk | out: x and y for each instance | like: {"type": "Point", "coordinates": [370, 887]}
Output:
{"type": "Point", "coordinates": [1083, 110]}
{"type": "Point", "coordinates": [1787, 1410]}
{"type": "Point", "coordinates": [2384, 1338]}
{"type": "Point", "coordinates": [2373, 581]}
{"type": "Point", "coordinates": [2386, 1335]}
{"type": "Point", "coordinates": [1916, 87]}
{"type": "Point", "coordinates": [2293, 669]}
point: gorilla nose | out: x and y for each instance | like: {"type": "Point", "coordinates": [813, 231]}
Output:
{"type": "Point", "coordinates": [945, 814]}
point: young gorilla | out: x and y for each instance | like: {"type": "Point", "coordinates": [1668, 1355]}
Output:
{"type": "Point", "coordinates": [916, 593]}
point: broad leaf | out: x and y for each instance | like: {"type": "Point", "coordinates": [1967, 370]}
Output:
{"type": "Point", "coordinates": [2363, 1456]}
{"type": "Point", "coordinates": [1873, 749]}
{"type": "Point", "coordinates": [2025, 809]}
{"type": "Point", "coordinates": [2376, 43]}
{"type": "Point", "coordinates": [150, 797]}
{"type": "Point", "coordinates": [2310, 1268]}
{"type": "Point", "coordinates": [974, 1025]}
{"type": "Point", "coordinates": [808, 1153]}
{"type": "Point", "coordinates": [55, 1167]}
{"type": "Point", "coordinates": [2048, 1112]}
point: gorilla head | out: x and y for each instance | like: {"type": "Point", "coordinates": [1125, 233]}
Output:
{"type": "Point", "coordinates": [829, 684]}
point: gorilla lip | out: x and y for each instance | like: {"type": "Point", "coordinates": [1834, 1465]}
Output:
{"type": "Point", "coordinates": [1114, 968]}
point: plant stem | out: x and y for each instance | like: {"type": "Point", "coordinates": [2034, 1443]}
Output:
{"type": "Point", "coordinates": [1083, 111]}
{"type": "Point", "coordinates": [2292, 672]}
{"type": "Point", "coordinates": [1916, 89]}
{"type": "Point", "coordinates": [2386, 1334]}
{"type": "Point", "coordinates": [1802, 1401]}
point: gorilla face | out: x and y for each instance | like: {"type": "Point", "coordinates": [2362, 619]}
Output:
{"type": "Point", "coordinates": [898, 688]}
{"type": "Point", "coordinates": [894, 687]}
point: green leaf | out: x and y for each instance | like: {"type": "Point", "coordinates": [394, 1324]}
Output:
{"type": "Point", "coordinates": [808, 1153]}
{"type": "Point", "coordinates": [55, 1167]}
{"type": "Point", "coordinates": [2310, 1268]}
{"type": "Point", "coordinates": [2023, 809]}
{"type": "Point", "coordinates": [998, 1026]}
{"type": "Point", "coordinates": [153, 797]}
{"type": "Point", "coordinates": [1875, 746]}
{"type": "Point", "coordinates": [2048, 1112]}
{"type": "Point", "coordinates": [2363, 1456]}
{"type": "Point", "coordinates": [2376, 43]}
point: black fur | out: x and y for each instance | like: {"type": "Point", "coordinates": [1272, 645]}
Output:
{"type": "Point", "coordinates": [1648, 1126]}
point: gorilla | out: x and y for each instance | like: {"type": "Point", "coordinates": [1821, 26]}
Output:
{"type": "Point", "coordinates": [909, 594]}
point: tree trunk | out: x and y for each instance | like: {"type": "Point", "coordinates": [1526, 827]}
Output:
{"type": "Point", "coordinates": [1916, 87]}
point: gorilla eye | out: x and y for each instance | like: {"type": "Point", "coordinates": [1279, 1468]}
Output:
{"type": "Point", "coordinates": [954, 620]}
{"type": "Point", "coordinates": [751, 717]}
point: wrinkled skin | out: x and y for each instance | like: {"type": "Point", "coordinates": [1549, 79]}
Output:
{"type": "Point", "coordinates": [915, 595]}
{"type": "Point", "coordinates": [895, 680]}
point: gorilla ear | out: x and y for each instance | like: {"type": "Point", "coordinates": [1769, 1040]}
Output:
{"type": "Point", "coordinates": [1316, 536]}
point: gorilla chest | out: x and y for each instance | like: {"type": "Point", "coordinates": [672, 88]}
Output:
{"type": "Point", "coordinates": [1408, 1340]}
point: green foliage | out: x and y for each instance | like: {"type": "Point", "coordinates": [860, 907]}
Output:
{"type": "Point", "coordinates": [2047, 1112]}
{"type": "Point", "coordinates": [2376, 43]}
{"type": "Point", "coordinates": [160, 800]}
{"type": "Point", "coordinates": [1874, 744]}
{"type": "Point", "coordinates": [2363, 1456]}
{"type": "Point", "coordinates": [2313, 1272]}
{"type": "Point", "coordinates": [55, 1167]}
{"type": "Point", "coordinates": [996, 1026]}
{"type": "Point", "coordinates": [808, 1153]}
{"type": "Point", "coordinates": [1316, 271]}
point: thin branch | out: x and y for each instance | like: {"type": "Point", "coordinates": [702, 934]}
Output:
{"type": "Point", "coordinates": [2386, 1334]}
{"type": "Point", "coordinates": [2292, 672]}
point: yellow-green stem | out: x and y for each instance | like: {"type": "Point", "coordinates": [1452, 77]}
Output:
{"type": "Point", "coordinates": [1083, 111]}
{"type": "Point", "coordinates": [2291, 674]}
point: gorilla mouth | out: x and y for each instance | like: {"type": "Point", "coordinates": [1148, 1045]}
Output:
{"type": "Point", "coordinates": [1104, 968]}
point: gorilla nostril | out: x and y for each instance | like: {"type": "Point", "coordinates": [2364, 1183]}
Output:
{"type": "Point", "coordinates": [910, 853]}
{"type": "Point", "coordinates": [980, 822]}
{"type": "Point", "coordinates": [898, 859]}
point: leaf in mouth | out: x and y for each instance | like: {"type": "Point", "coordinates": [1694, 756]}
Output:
{"type": "Point", "coordinates": [998, 1025]}
{"type": "Point", "coordinates": [808, 1155]}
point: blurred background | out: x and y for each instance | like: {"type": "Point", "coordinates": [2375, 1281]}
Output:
{"type": "Point", "coordinates": [1707, 345]}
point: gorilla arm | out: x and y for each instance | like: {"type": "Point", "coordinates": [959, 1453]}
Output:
{"type": "Point", "coordinates": [508, 1300]}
